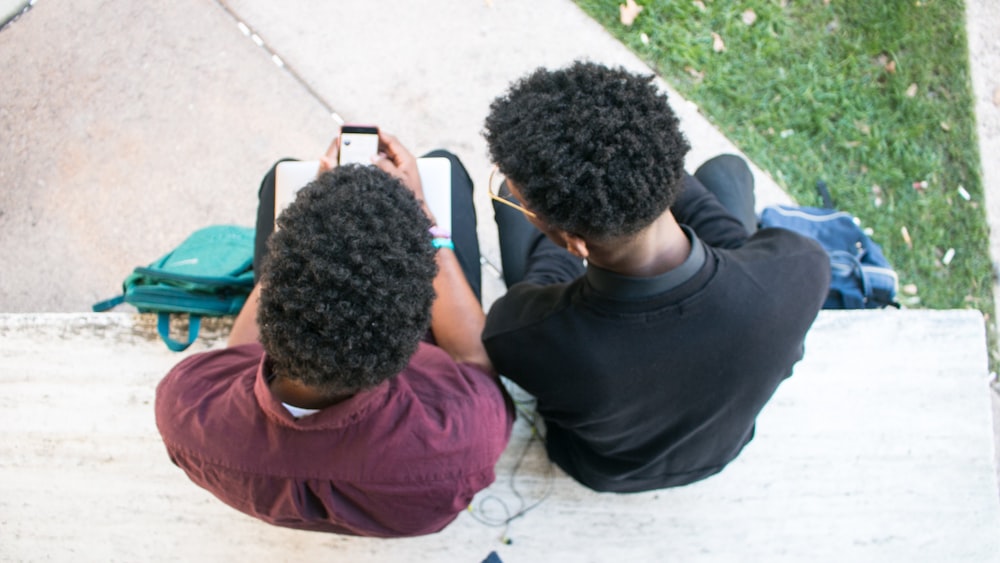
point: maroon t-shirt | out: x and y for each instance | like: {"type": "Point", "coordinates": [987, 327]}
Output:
{"type": "Point", "coordinates": [402, 459]}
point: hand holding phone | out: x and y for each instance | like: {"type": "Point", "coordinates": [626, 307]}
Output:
{"type": "Point", "coordinates": [399, 162]}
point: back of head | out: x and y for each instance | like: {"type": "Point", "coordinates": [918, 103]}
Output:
{"type": "Point", "coordinates": [347, 283]}
{"type": "Point", "coordinates": [595, 151]}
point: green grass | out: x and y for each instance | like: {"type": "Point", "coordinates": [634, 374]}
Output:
{"type": "Point", "coordinates": [806, 93]}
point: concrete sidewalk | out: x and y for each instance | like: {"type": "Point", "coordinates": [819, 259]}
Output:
{"type": "Point", "coordinates": [138, 124]}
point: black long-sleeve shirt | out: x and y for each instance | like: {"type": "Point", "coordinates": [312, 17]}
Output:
{"type": "Point", "coordinates": [647, 383]}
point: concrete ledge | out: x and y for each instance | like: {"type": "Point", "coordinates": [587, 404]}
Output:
{"type": "Point", "coordinates": [879, 448]}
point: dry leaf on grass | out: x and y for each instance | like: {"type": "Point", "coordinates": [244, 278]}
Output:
{"type": "Point", "coordinates": [628, 11]}
{"type": "Point", "coordinates": [749, 17]}
{"type": "Point", "coordinates": [695, 73]}
{"type": "Point", "coordinates": [718, 45]}
{"type": "Point", "coordinates": [700, 5]}
{"type": "Point", "coordinates": [911, 91]}
{"type": "Point", "coordinates": [906, 237]}
{"type": "Point", "coordinates": [887, 64]}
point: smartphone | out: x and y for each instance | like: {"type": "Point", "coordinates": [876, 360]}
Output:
{"type": "Point", "coordinates": [358, 144]}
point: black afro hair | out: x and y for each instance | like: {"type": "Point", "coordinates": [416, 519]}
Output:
{"type": "Point", "coordinates": [347, 282]}
{"type": "Point", "coordinates": [594, 151]}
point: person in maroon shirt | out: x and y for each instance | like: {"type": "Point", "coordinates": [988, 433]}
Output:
{"type": "Point", "coordinates": [355, 395]}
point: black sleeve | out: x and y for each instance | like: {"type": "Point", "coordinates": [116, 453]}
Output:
{"type": "Point", "coordinates": [699, 209]}
{"type": "Point", "coordinates": [548, 264]}
{"type": "Point", "coordinates": [528, 255]}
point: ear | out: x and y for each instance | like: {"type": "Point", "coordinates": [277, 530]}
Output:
{"type": "Point", "coordinates": [573, 243]}
{"type": "Point", "coordinates": [576, 245]}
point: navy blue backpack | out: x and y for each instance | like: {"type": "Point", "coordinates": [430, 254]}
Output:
{"type": "Point", "coordinates": [861, 277]}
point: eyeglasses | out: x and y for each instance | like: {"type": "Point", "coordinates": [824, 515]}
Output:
{"type": "Point", "coordinates": [500, 192]}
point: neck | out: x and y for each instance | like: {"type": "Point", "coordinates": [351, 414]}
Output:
{"type": "Point", "coordinates": [300, 395]}
{"type": "Point", "coordinates": [655, 250]}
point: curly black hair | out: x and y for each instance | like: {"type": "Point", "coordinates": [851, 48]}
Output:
{"type": "Point", "coordinates": [596, 151]}
{"type": "Point", "coordinates": [347, 282]}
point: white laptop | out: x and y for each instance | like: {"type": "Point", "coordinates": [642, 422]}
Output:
{"type": "Point", "coordinates": [435, 176]}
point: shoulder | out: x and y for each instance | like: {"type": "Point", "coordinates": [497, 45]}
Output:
{"type": "Point", "coordinates": [787, 248]}
{"type": "Point", "coordinates": [206, 368]}
{"type": "Point", "coordinates": [206, 396]}
{"type": "Point", "coordinates": [527, 304]}
{"type": "Point", "coordinates": [433, 393]}
{"type": "Point", "coordinates": [776, 267]}
{"type": "Point", "coordinates": [786, 240]}
{"type": "Point", "coordinates": [437, 381]}
{"type": "Point", "coordinates": [205, 377]}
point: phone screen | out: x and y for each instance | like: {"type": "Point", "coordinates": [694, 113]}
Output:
{"type": "Point", "coordinates": [358, 144]}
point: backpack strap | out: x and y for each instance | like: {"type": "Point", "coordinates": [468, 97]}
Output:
{"type": "Point", "coordinates": [824, 195]}
{"type": "Point", "coordinates": [848, 281]}
{"type": "Point", "coordinates": [163, 327]}
{"type": "Point", "coordinates": [102, 306]}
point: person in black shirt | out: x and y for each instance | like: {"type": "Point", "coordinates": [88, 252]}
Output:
{"type": "Point", "coordinates": [645, 312]}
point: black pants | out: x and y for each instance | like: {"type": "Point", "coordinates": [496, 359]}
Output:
{"type": "Point", "coordinates": [527, 254]}
{"type": "Point", "coordinates": [463, 220]}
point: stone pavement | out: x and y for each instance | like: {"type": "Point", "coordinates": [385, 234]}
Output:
{"type": "Point", "coordinates": [873, 451]}
{"type": "Point", "coordinates": [128, 125]}
{"type": "Point", "coordinates": [982, 18]}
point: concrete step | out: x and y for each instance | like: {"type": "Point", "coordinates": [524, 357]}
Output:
{"type": "Point", "coordinates": [879, 448]}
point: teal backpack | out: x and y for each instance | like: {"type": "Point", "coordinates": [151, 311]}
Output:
{"type": "Point", "coordinates": [209, 274]}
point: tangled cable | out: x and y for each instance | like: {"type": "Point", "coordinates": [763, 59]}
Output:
{"type": "Point", "coordinates": [480, 512]}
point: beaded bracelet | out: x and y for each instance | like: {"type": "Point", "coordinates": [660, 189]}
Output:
{"type": "Point", "coordinates": [439, 232]}
{"type": "Point", "coordinates": [443, 243]}
{"type": "Point", "coordinates": [442, 238]}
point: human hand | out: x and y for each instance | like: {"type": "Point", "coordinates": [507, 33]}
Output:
{"type": "Point", "coordinates": [396, 160]}
{"type": "Point", "coordinates": [329, 160]}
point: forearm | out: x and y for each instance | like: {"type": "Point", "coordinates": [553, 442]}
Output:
{"type": "Point", "coordinates": [245, 329]}
{"type": "Point", "coordinates": [457, 317]}
{"type": "Point", "coordinates": [699, 209]}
